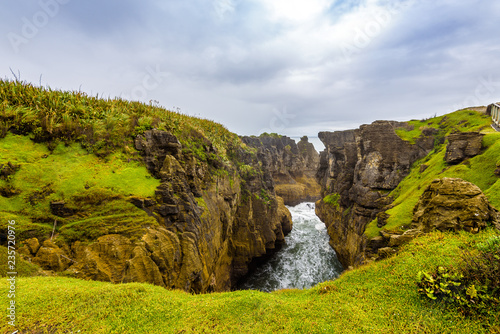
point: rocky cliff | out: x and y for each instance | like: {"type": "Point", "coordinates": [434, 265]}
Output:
{"type": "Point", "coordinates": [293, 166]}
{"type": "Point", "coordinates": [122, 191]}
{"type": "Point", "coordinates": [357, 171]}
{"type": "Point", "coordinates": [388, 182]}
{"type": "Point", "coordinates": [213, 220]}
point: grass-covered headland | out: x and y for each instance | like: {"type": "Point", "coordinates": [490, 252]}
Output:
{"type": "Point", "coordinates": [58, 146]}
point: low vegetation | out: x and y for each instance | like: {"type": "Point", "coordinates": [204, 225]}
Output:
{"type": "Point", "coordinates": [100, 125]}
{"type": "Point", "coordinates": [332, 199]}
{"type": "Point", "coordinates": [379, 298]}
{"type": "Point", "coordinates": [474, 286]}
{"type": "Point", "coordinates": [459, 121]}
{"type": "Point", "coordinates": [96, 189]}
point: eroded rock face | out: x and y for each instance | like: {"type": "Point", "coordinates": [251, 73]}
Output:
{"type": "Point", "coordinates": [453, 204]}
{"type": "Point", "coordinates": [463, 145]}
{"type": "Point", "coordinates": [362, 166]}
{"type": "Point", "coordinates": [212, 223]}
{"type": "Point", "coordinates": [293, 166]}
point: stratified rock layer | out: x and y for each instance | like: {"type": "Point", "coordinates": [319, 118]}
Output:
{"type": "Point", "coordinates": [361, 167]}
{"type": "Point", "coordinates": [293, 166]}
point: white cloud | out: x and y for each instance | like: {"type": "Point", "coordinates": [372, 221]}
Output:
{"type": "Point", "coordinates": [296, 11]}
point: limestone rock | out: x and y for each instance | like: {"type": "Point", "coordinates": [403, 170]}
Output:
{"type": "Point", "coordinates": [212, 220]}
{"type": "Point", "coordinates": [398, 240]}
{"type": "Point", "coordinates": [462, 145]}
{"type": "Point", "coordinates": [293, 166]}
{"type": "Point", "coordinates": [155, 145]}
{"type": "Point", "coordinates": [453, 204]}
{"type": "Point", "coordinates": [363, 166]}
{"type": "Point", "coordinates": [33, 245]}
{"type": "Point", "coordinates": [60, 209]}
{"type": "Point", "coordinates": [386, 252]}
{"type": "Point", "coordinates": [51, 257]}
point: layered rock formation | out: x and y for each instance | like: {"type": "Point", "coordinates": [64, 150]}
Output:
{"type": "Point", "coordinates": [452, 204]}
{"type": "Point", "coordinates": [463, 145]}
{"type": "Point", "coordinates": [293, 166]}
{"type": "Point", "coordinates": [213, 216]}
{"type": "Point", "coordinates": [359, 168]}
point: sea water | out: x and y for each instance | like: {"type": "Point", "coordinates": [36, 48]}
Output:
{"type": "Point", "coordinates": [305, 260]}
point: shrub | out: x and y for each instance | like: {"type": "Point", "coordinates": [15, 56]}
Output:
{"type": "Point", "coordinates": [475, 287]}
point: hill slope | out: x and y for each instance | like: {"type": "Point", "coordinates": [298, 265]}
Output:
{"type": "Point", "coordinates": [379, 298]}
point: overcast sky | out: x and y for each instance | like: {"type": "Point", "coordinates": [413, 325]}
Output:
{"type": "Point", "coordinates": [294, 67]}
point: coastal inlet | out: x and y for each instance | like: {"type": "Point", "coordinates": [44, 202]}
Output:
{"type": "Point", "coordinates": [304, 261]}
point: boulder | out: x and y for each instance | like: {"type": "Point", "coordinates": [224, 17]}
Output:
{"type": "Point", "coordinates": [50, 257]}
{"type": "Point", "coordinates": [463, 145]}
{"type": "Point", "coordinates": [453, 204]}
{"type": "Point", "coordinates": [398, 240]}
{"type": "Point", "coordinates": [386, 252]}
{"type": "Point", "coordinates": [33, 245]}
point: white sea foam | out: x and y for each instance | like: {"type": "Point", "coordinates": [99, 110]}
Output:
{"type": "Point", "coordinates": [305, 260]}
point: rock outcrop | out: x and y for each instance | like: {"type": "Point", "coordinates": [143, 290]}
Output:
{"type": "Point", "coordinates": [214, 216]}
{"type": "Point", "coordinates": [463, 145]}
{"type": "Point", "coordinates": [452, 204]}
{"type": "Point", "coordinates": [293, 166]}
{"type": "Point", "coordinates": [360, 167]}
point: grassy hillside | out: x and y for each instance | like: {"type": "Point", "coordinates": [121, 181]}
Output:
{"type": "Point", "coordinates": [478, 170]}
{"type": "Point", "coordinates": [67, 146]}
{"type": "Point", "coordinates": [100, 125]}
{"type": "Point", "coordinates": [97, 188]}
{"type": "Point", "coordinates": [379, 298]}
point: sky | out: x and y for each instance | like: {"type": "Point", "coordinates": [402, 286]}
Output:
{"type": "Point", "coordinates": [294, 67]}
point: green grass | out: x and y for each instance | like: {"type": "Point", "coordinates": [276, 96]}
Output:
{"type": "Point", "coordinates": [458, 121]}
{"type": "Point", "coordinates": [332, 199]}
{"type": "Point", "coordinates": [98, 188]}
{"type": "Point", "coordinates": [478, 170]}
{"type": "Point", "coordinates": [378, 298]}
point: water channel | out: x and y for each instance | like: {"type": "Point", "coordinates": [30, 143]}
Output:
{"type": "Point", "coordinates": [306, 260]}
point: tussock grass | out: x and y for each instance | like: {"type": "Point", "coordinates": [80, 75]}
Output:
{"type": "Point", "coordinates": [378, 298]}
{"type": "Point", "coordinates": [100, 125]}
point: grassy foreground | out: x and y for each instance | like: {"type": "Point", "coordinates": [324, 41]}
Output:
{"type": "Point", "coordinates": [378, 298]}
